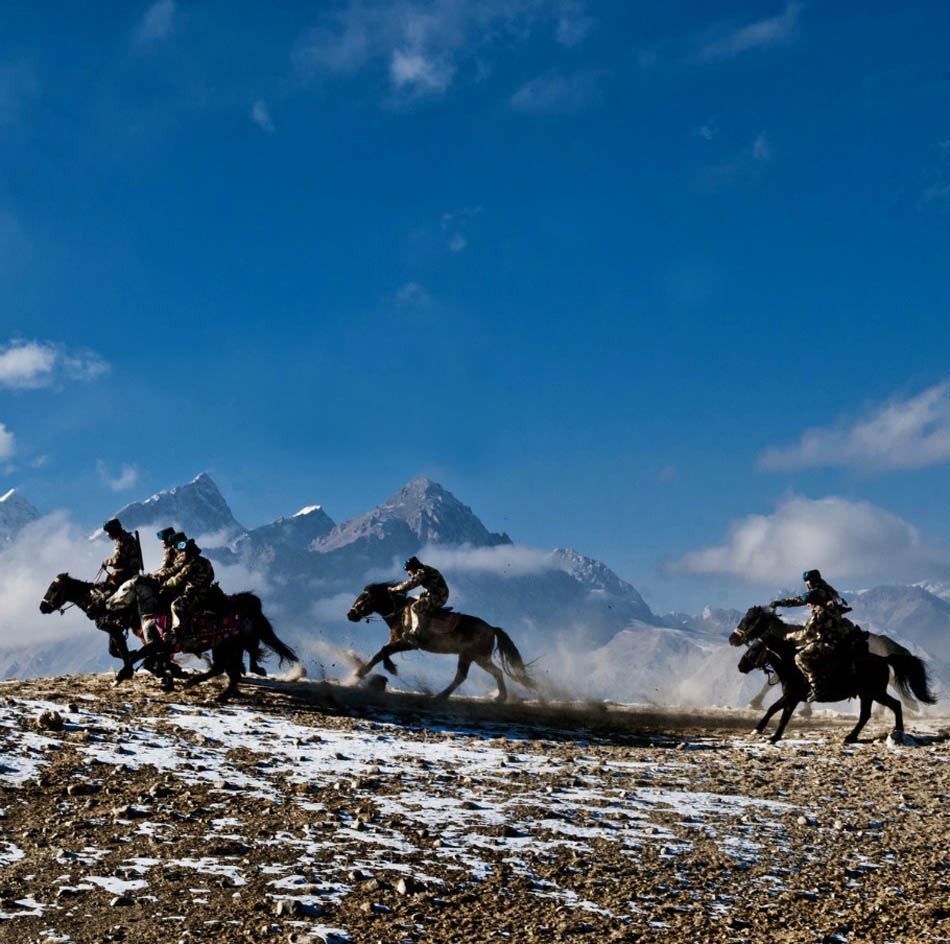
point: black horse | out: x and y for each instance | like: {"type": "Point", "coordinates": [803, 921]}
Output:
{"type": "Point", "coordinates": [90, 598]}
{"type": "Point", "coordinates": [471, 638]}
{"type": "Point", "coordinates": [866, 677]}
{"type": "Point", "coordinates": [249, 630]}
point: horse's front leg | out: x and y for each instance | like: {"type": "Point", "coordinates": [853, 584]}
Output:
{"type": "Point", "coordinates": [775, 706]}
{"type": "Point", "coordinates": [384, 654]}
{"type": "Point", "coordinates": [791, 702]}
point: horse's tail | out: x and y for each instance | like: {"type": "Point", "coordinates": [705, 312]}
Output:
{"type": "Point", "coordinates": [511, 660]}
{"type": "Point", "coordinates": [250, 604]}
{"type": "Point", "coordinates": [910, 675]}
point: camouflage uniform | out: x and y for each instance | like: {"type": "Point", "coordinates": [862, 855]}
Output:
{"type": "Point", "coordinates": [125, 559]}
{"type": "Point", "coordinates": [195, 577]}
{"type": "Point", "coordinates": [172, 562]}
{"type": "Point", "coordinates": [435, 594]}
{"type": "Point", "coordinates": [820, 640]}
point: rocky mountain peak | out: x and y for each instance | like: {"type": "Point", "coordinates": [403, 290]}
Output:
{"type": "Point", "coordinates": [15, 513]}
{"type": "Point", "coordinates": [421, 512]}
{"type": "Point", "coordinates": [197, 508]}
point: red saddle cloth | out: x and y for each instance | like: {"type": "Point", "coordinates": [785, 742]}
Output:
{"type": "Point", "coordinates": [203, 629]}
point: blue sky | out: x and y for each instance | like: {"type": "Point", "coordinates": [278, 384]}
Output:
{"type": "Point", "coordinates": [666, 283]}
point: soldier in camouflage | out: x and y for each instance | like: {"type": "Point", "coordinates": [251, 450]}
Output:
{"type": "Point", "coordinates": [172, 558]}
{"type": "Point", "coordinates": [821, 638]}
{"type": "Point", "coordinates": [435, 594]}
{"type": "Point", "coordinates": [126, 560]}
{"type": "Point", "coordinates": [192, 582]}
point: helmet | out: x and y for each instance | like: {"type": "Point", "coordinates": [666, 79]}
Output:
{"type": "Point", "coordinates": [811, 576]}
{"type": "Point", "coordinates": [189, 546]}
{"type": "Point", "coordinates": [178, 536]}
{"type": "Point", "coordinates": [165, 535]}
{"type": "Point", "coordinates": [411, 563]}
{"type": "Point", "coordinates": [112, 526]}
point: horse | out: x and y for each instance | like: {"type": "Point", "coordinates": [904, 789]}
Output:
{"type": "Point", "coordinates": [866, 677]}
{"type": "Point", "coordinates": [878, 645]}
{"type": "Point", "coordinates": [89, 598]}
{"type": "Point", "coordinates": [248, 630]}
{"type": "Point", "coordinates": [471, 638]}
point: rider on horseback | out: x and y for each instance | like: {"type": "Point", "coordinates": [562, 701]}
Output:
{"type": "Point", "coordinates": [818, 641]}
{"type": "Point", "coordinates": [435, 594]}
{"type": "Point", "coordinates": [126, 560]}
{"type": "Point", "coordinates": [194, 578]}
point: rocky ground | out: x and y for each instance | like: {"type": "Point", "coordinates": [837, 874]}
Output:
{"type": "Point", "coordinates": [308, 812]}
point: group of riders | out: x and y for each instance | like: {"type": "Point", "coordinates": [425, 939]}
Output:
{"type": "Point", "coordinates": [186, 582]}
{"type": "Point", "coordinates": [186, 579]}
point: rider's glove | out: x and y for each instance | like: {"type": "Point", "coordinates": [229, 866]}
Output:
{"type": "Point", "coordinates": [774, 604]}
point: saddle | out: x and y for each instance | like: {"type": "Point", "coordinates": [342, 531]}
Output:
{"type": "Point", "coordinates": [443, 620]}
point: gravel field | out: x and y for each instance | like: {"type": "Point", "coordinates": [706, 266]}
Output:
{"type": "Point", "coordinates": [310, 812]}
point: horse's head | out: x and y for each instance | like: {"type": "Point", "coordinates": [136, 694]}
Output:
{"type": "Point", "coordinates": [375, 598]}
{"type": "Point", "coordinates": [755, 657]}
{"type": "Point", "coordinates": [55, 596]}
{"type": "Point", "coordinates": [126, 595]}
{"type": "Point", "coordinates": [754, 624]}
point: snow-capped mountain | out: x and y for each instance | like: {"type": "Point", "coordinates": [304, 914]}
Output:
{"type": "Point", "coordinates": [197, 508]}
{"type": "Point", "coordinates": [300, 530]}
{"type": "Point", "coordinates": [15, 514]}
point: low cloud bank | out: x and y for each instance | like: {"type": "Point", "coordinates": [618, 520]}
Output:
{"type": "Point", "coordinates": [846, 539]}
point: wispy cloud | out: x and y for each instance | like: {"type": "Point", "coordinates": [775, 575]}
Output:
{"type": "Point", "coordinates": [772, 31]}
{"type": "Point", "coordinates": [29, 365]}
{"type": "Point", "coordinates": [455, 227]}
{"type": "Point", "coordinates": [7, 443]}
{"type": "Point", "coordinates": [260, 115]}
{"type": "Point", "coordinates": [903, 434]}
{"type": "Point", "coordinates": [739, 168]}
{"type": "Point", "coordinates": [157, 23]}
{"type": "Point", "coordinates": [555, 92]}
{"type": "Point", "coordinates": [127, 477]}
{"type": "Point", "coordinates": [849, 539]}
{"type": "Point", "coordinates": [412, 293]}
{"type": "Point", "coordinates": [573, 24]}
{"type": "Point", "coordinates": [423, 46]}
{"type": "Point", "coordinates": [507, 560]}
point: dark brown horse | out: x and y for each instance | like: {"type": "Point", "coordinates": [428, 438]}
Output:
{"type": "Point", "coordinates": [865, 676]}
{"type": "Point", "coordinates": [472, 639]}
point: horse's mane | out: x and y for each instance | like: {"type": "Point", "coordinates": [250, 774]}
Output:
{"type": "Point", "coordinates": [385, 585]}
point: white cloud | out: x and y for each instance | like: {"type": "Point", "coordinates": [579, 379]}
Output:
{"type": "Point", "coordinates": [424, 45]}
{"type": "Point", "coordinates": [157, 23]}
{"type": "Point", "coordinates": [845, 539]}
{"type": "Point", "coordinates": [412, 293]}
{"type": "Point", "coordinates": [771, 31]}
{"type": "Point", "coordinates": [573, 23]}
{"type": "Point", "coordinates": [412, 71]}
{"type": "Point", "coordinates": [260, 115]}
{"type": "Point", "coordinates": [761, 148]}
{"type": "Point", "coordinates": [30, 365]}
{"type": "Point", "coordinates": [7, 443]}
{"type": "Point", "coordinates": [555, 92]}
{"type": "Point", "coordinates": [903, 434]}
{"type": "Point", "coordinates": [43, 549]}
{"type": "Point", "coordinates": [126, 478]}
{"type": "Point", "coordinates": [457, 242]}
{"type": "Point", "coordinates": [708, 131]}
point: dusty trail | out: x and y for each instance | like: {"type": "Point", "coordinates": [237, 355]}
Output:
{"type": "Point", "coordinates": [306, 812]}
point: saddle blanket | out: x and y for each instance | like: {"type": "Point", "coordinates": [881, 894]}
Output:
{"type": "Point", "coordinates": [204, 629]}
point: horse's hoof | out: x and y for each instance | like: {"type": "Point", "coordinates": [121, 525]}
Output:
{"type": "Point", "coordinates": [167, 684]}
{"type": "Point", "coordinates": [774, 739]}
{"type": "Point", "coordinates": [124, 674]}
{"type": "Point", "coordinates": [259, 670]}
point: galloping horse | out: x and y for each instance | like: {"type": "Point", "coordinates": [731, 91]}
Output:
{"type": "Point", "coordinates": [867, 678]}
{"type": "Point", "coordinates": [471, 638]}
{"type": "Point", "coordinates": [250, 631]}
{"type": "Point", "coordinates": [89, 598]}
